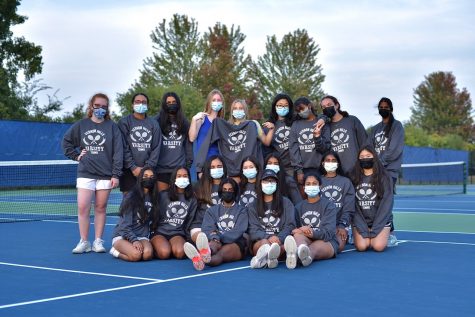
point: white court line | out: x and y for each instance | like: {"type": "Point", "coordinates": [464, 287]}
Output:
{"type": "Point", "coordinates": [75, 222]}
{"type": "Point", "coordinates": [79, 272]}
{"type": "Point", "coordinates": [441, 242]}
{"type": "Point", "coordinates": [121, 288]}
{"type": "Point", "coordinates": [437, 232]}
{"type": "Point", "coordinates": [435, 213]}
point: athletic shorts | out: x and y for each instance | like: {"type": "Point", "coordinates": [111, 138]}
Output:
{"type": "Point", "coordinates": [167, 236]}
{"type": "Point", "coordinates": [115, 239]}
{"type": "Point", "coordinates": [93, 184]}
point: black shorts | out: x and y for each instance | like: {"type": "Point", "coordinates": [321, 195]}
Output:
{"type": "Point", "coordinates": [164, 177]}
{"type": "Point", "coordinates": [127, 181]}
{"type": "Point", "coordinates": [166, 236]}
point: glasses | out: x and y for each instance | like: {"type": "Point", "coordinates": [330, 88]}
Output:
{"type": "Point", "coordinates": [97, 106]}
{"type": "Point", "coordinates": [140, 102]}
{"type": "Point", "coordinates": [266, 181]}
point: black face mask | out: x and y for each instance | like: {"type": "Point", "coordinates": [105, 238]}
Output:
{"type": "Point", "coordinates": [366, 163]}
{"type": "Point", "coordinates": [172, 108]}
{"type": "Point", "coordinates": [384, 113]}
{"type": "Point", "coordinates": [329, 112]}
{"type": "Point", "coordinates": [227, 197]}
{"type": "Point", "coordinates": [148, 183]}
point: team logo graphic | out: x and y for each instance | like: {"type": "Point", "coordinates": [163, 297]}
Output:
{"type": "Point", "coordinates": [176, 213]}
{"type": "Point", "coordinates": [339, 139]}
{"type": "Point", "coordinates": [332, 195]}
{"type": "Point", "coordinates": [141, 138]}
{"type": "Point", "coordinates": [270, 222]}
{"type": "Point", "coordinates": [305, 139]}
{"type": "Point", "coordinates": [281, 137]}
{"type": "Point", "coordinates": [226, 223]}
{"type": "Point", "coordinates": [237, 140]}
{"type": "Point", "coordinates": [94, 141]}
{"type": "Point", "coordinates": [366, 195]}
{"type": "Point", "coordinates": [380, 142]}
{"type": "Point", "coordinates": [311, 218]}
{"type": "Point", "coordinates": [215, 198]}
{"type": "Point", "coordinates": [248, 198]}
{"type": "Point", "coordinates": [173, 139]}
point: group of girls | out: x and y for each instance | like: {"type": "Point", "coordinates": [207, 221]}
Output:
{"type": "Point", "coordinates": [289, 189]}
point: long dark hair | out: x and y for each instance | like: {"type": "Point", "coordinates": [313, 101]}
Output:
{"type": "Point", "coordinates": [273, 116]}
{"type": "Point", "coordinates": [205, 183]}
{"type": "Point", "coordinates": [244, 181]}
{"type": "Point", "coordinates": [378, 177]}
{"type": "Point", "coordinates": [134, 201]}
{"type": "Point", "coordinates": [277, 201]}
{"type": "Point", "coordinates": [229, 180]}
{"type": "Point", "coordinates": [173, 189]}
{"type": "Point", "coordinates": [306, 102]}
{"type": "Point", "coordinates": [165, 119]}
{"type": "Point", "coordinates": [336, 102]}
{"type": "Point", "coordinates": [388, 127]}
{"type": "Point", "coordinates": [284, 189]}
{"type": "Point", "coordinates": [339, 170]}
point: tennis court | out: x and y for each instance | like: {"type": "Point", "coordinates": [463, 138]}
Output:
{"type": "Point", "coordinates": [430, 273]}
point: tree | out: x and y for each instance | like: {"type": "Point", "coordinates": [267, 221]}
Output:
{"type": "Point", "coordinates": [224, 64]}
{"type": "Point", "coordinates": [289, 66]}
{"type": "Point", "coordinates": [17, 55]}
{"type": "Point", "coordinates": [441, 108]}
{"type": "Point", "coordinates": [177, 53]}
{"type": "Point", "coordinates": [78, 113]}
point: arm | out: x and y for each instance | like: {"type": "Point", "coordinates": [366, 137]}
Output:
{"type": "Point", "coordinates": [118, 152]}
{"type": "Point", "coordinates": [255, 230]}
{"type": "Point", "coordinates": [71, 142]}
{"type": "Point", "coordinates": [188, 150]}
{"type": "Point", "coordinates": [348, 206]}
{"type": "Point", "coordinates": [152, 160]}
{"type": "Point", "coordinates": [129, 161]}
{"type": "Point", "coordinates": [294, 150]}
{"type": "Point", "coordinates": [195, 125]}
{"type": "Point", "coordinates": [396, 144]}
{"type": "Point", "coordinates": [323, 142]}
{"type": "Point", "coordinates": [288, 221]}
{"type": "Point", "coordinates": [266, 139]}
{"type": "Point", "coordinates": [209, 223]}
{"type": "Point", "coordinates": [360, 131]}
{"type": "Point", "coordinates": [384, 212]}
{"type": "Point", "coordinates": [190, 216]}
{"type": "Point", "coordinates": [327, 227]}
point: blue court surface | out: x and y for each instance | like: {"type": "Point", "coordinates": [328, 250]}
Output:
{"type": "Point", "coordinates": [430, 273]}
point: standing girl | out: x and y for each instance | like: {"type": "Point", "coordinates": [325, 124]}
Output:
{"type": "Point", "coordinates": [96, 143]}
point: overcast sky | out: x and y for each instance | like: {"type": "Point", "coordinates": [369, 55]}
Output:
{"type": "Point", "coordinates": [369, 49]}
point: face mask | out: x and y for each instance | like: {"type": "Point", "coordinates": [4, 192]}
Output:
{"type": "Point", "coordinates": [250, 172]}
{"type": "Point", "coordinates": [312, 190]}
{"type": "Point", "coordinates": [269, 188]}
{"type": "Point", "coordinates": [216, 105]}
{"type": "Point", "coordinates": [330, 166]}
{"type": "Point", "coordinates": [239, 114]}
{"type": "Point", "coordinates": [384, 113]}
{"type": "Point", "coordinates": [140, 108]}
{"type": "Point", "coordinates": [182, 182]}
{"type": "Point", "coordinates": [148, 183]}
{"type": "Point", "coordinates": [366, 163]}
{"type": "Point", "coordinates": [172, 108]}
{"type": "Point", "coordinates": [275, 168]}
{"type": "Point", "coordinates": [217, 172]}
{"type": "Point", "coordinates": [304, 114]}
{"type": "Point", "coordinates": [329, 112]}
{"type": "Point", "coordinates": [99, 113]}
{"type": "Point", "coordinates": [227, 196]}
{"type": "Point", "coordinates": [282, 111]}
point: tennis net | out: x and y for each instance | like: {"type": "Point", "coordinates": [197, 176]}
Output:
{"type": "Point", "coordinates": [432, 179]}
{"type": "Point", "coordinates": [42, 190]}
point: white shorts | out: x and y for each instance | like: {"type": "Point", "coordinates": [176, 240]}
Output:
{"type": "Point", "coordinates": [114, 240]}
{"type": "Point", "coordinates": [93, 184]}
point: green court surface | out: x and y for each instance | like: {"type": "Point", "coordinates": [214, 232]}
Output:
{"type": "Point", "coordinates": [435, 222]}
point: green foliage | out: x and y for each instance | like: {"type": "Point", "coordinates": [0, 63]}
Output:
{"type": "Point", "coordinates": [441, 108]}
{"type": "Point", "coordinates": [78, 113]}
{"type": "Point", "coordinates": [416, 136]}
{"type": "Point", "coordinates": [289, 66]}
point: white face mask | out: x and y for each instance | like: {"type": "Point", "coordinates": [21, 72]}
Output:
{"type": "Point", "coordinates": [250, 173]}
{"type": "Point", "coordinates": [216, 105]}
{"type": "Point", "coordinates": [182, 182]}
{"type": "Point", "coordinates": [217, 172]}
{"type": "Point", "coordinates": [141, 108]}
{"type": "Point", "coordinates": [312, 190]}
{"type": "Point", "coordinates": [239, 114]}
{"type": "Point", "coordinates": [269, 188]}
{"type": "Point", "coordinates": [330, 166]}
{"type": "Point", "coordinates": [275, 168]}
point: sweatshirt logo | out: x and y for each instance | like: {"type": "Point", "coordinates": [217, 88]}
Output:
{"type": "Point", "coordinates": [340, 138]}
{"type": "Point", "coordinates": [248, 197]}
{"type": "Point", "coordinates": [380, 141]}
{"type": "Point", "coordinates": [305, 139]}
{"type": "Point", "coordinates": [237, 141]}
{"type": "Point", "coordinates": [176, 213]}
{"type": "Point", "coordinates": [281, 137]}
{"type": "Point", "coordinates": [311, 219]}
{"type": "Point", "coordinates": [141, 138]}
{"type": "Point", "coordinates": [215, 198]}
{"type": "Point", "coordinates": [94, 140]}
{"type": "Point", "coordinates": [333, 194]}
{"type": "Point", "coordinates": [365, 195]}
{"type": "Point", "coordinates": [226, 223]}
{"type": "Point", "coordinates": [270, 222]}
{"type": "Point", "coordinates": [173, 139]}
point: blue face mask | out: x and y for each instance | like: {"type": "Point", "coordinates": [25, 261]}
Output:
{"type": "Point", "coordinates": [141, 108]}
{"type": "Point", "coordinates": [99, 113]}
{"type": "Point", "coordinates": [312, 190]}
{"type": "Point", "coordinates": [217, 172]}
{"type": "Point", "coordinates": [275, 168]}
{"type": "Point", "coordinates": [216, 105]}
{"type": "Point", "coordinates": [182, 182]}
{"type": "Point", "coordinates": [282, 111]}
{"type": "Point", "coordinates": [269, 188]}
{"type": "Point", "coordinates": [250, 173]}
{"type": "Point", "coordinates": [239, 114]}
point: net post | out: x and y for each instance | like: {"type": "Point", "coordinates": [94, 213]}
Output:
{"type": "Point", "coordinates": [464, 178]}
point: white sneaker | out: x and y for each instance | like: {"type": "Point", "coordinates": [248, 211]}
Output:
{"type": "Point", "coordinates": [194, 256]}
{"type": "Point", "coordinates": [273, 255]}
{"type": "Point", "coordinates": [290, 247]}
{"type": "Point", "coordinates": [82, 246]}
{"type": "Point", "coordinates": [113, 251]}
{"type": "Point", "coordinates": [392, 241]}
{"type": "Point", "coordinates": [260, 259]}
{"type": "Point", "coordinates": [203, 247]}
{"type": "Point", "coordinates": [98, 246]}
{"type": "Point", "coordinates": [304, 255]}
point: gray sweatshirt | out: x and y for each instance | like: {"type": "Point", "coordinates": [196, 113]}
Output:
{"type": "Point", "coordinates": [321, 217]}
{"type": "Point", "coordinates": [248, 195]}
{"type": "Point", "coordinates": [103, 142]}
{"type": "Point", "coordinates": [130, 226]}
{"type": "Point", "coordinates": [280, 142]}
{"type": "Point", "coordinates": [235, 142]}
{"type": "Point", "coordinates": [347, 136]}
{"type": "Point", "coordinates": [340, 191]}
{"type": "Point", "coordinates": [372, 214]}
{"type": "Point", "coordinates": [389, 148]}
{"type": "Point", "coordinates": [142, 141]}
{"type": "Point", "coordinates": [270, 225]}
{"type": "Point", "coordinates": [306, 150]}
{"type": "Point", "coordinates": [225, 224]}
